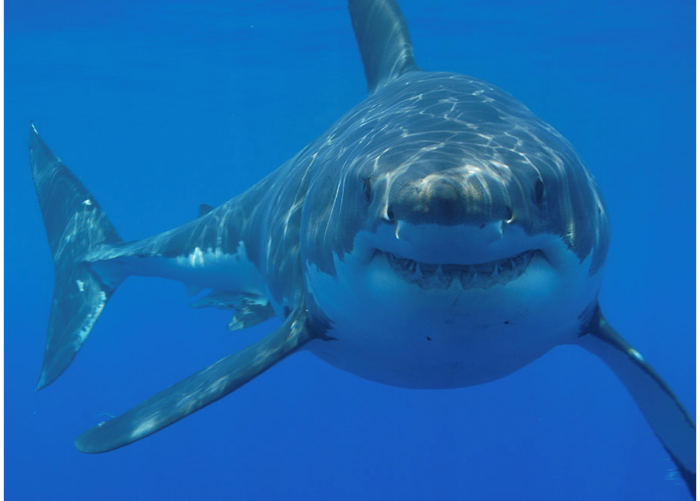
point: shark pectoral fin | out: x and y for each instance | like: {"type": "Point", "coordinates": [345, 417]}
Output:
{"type": "Point", "coordinates": [198, 390]}
{"type": "Point", "coordinates": [663, 411]}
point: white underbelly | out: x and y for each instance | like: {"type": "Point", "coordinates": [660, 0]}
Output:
{"type": "Point", "coordinates": [409, 337]}
{"type": "Point", "coordinates": [448, 352]}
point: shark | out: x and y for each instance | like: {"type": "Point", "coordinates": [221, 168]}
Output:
{"type": "Point", "coordinates": [437, 235]}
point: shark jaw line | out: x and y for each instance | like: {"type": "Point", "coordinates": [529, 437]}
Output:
{"type": "Point", "coordinates": [466, 276]}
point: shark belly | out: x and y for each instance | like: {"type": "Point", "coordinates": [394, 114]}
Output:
{"type": "Point", "coordinates": [451, 338]}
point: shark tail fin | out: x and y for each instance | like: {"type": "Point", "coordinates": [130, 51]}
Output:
{"type": "Point", "coordinates": [75, 226]}
{"type": "Point", "coordinates": [667, 417]}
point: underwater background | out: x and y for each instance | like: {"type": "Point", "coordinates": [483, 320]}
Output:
{"type": "Point", "coordinates": [158, 106]}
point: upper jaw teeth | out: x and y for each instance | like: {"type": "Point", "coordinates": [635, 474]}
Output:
{"type": "Point", "coordinates": [469, 276]}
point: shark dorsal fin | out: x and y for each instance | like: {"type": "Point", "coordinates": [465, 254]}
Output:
{"type": "Point", "coordinates": [382, 36]}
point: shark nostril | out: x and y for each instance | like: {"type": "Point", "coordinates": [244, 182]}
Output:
{"type": "Point", "coordinates": [509, 214]}
{"type": "Point", "coordinates": [367, 190]}
{"type": "Point", "coordinates": [390, 214]}
{"type": "Point", "coordinates": [539, 191]}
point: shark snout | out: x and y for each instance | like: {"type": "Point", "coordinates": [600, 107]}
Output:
{"type": "Point", "coordinates": [450, 200]}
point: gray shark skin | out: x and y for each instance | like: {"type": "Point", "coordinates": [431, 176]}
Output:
{"type": "Point", "coordinates": [438, 235]}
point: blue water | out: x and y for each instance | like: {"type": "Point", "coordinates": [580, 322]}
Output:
{"type": "Point", "coordinates": [159, 106]}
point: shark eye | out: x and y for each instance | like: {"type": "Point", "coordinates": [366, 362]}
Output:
{"type": "Point", "coordinates": [539, 191]}
{"type": "Point", "coordinates": [367, 190]}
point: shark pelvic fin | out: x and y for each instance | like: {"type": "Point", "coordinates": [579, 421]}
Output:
{"type": "Point", "coordinates": [251, 309]}
{"type": "Point", "coordinates": [75, 226]}
{"type": "Point", "coordinates": [663, 411]}
{"type": "Point", "coordinates": [383, 39]}
{"type": "Point", "coordinates": [192, 290]}
{"type": "Point", "coordinates": [198, 390]}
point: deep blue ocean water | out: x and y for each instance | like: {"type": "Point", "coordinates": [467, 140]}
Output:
{"type": "Point", "coordinates": [159, 106]}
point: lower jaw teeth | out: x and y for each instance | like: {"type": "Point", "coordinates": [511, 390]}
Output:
{"type": "Point", "coordinates": [427, 276]}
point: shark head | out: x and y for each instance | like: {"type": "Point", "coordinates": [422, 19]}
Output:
{"type": "Point", "coordinates": [443, 210]}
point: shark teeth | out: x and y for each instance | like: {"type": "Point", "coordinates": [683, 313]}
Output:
{"type": "Point", "coordinates": [469, 276]}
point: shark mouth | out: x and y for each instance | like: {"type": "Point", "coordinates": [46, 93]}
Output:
{"type": "Point", "coordinates": [469, 276]}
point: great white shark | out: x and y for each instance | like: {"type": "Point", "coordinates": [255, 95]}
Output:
{"type": "Point", "coordinates": [438, 235]}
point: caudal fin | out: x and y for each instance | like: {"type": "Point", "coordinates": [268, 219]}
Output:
{"type": "Point", "coordinates": [75, 226]}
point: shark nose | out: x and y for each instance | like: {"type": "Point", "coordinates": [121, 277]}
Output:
{"type": "Point", "coordinates": [448, 201]}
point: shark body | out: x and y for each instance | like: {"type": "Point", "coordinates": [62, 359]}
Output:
{"type": "Point", "coordinates": [438, 235]}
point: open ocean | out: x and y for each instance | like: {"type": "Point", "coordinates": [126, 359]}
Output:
{"type": "Point", "coordinates": [159, 106]}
